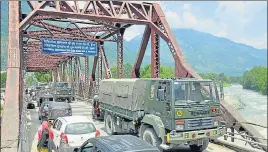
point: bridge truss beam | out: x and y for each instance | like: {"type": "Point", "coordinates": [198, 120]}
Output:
{"type": "Point", "coordinates": [103, 21]}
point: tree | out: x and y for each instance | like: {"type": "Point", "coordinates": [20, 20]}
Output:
{"type": "Point", "coordinates": [30, 80]}
{"type": "Point", "coordinates": [165, 72]}
{"type": "Point", "coordinates": [256, 79]}
{"type": "Point", "coordinates": [3, 79]}
{"type": "Point", "coordinates": [42, 76]}
{"type": "Point", "coordinates": [127, 71]}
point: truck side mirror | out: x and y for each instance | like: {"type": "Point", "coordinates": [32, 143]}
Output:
{"type": "Point", "coordinates": [160, 94]}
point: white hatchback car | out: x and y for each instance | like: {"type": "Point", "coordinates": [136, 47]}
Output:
{"type": "Point", "coordinates": [72, 131]}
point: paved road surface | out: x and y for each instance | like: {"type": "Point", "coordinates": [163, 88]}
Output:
{"type": "Point", "coordinates": [82, 108]}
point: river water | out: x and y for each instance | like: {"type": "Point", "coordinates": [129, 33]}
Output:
{"type": "Point", "coordinates": [252, 105]}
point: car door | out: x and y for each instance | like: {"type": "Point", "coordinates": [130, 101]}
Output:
{"type": "Point", "coordinates": [56, 131]}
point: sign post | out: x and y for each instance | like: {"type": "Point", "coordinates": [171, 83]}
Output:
{"type": "Point", "coordinates": [69, 47]}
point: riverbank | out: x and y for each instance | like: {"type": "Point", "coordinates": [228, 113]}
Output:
{"type": "Point", "coordinates": [250, 104]}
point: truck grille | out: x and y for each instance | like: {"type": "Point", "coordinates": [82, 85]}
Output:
{"type": "Point", "coordinates": [64, 92]}
{"type": "Point", "coordinates": [199, 123]}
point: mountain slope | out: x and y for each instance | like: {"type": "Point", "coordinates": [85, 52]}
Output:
{"type": "Point", "coordinates": [204, 52]}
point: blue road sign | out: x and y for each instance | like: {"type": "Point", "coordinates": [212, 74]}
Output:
{"type": "Point", "coordinates": [69, 47]}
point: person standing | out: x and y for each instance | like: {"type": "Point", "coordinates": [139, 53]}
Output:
{"type": "Point", "coordinates": [45, 138]}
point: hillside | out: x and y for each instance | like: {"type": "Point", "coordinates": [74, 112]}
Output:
{"type": "Point", "coordinates": [204, 52]}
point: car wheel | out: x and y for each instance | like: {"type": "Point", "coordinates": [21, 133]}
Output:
{"type": "Point", "coordinates": [150, 137]}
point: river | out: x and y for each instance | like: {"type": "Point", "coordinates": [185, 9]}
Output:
{"type": "Point", "coordinates": [252, 105]}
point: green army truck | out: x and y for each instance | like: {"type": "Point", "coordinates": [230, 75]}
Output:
{"type": "Point", "coordinates": [62, 91]}
{"type": "Point", "coordinates": [164, 112]}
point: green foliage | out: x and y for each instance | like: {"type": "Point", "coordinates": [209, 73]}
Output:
{"type": "Point", "coordinates": [3, 79]}
{"type": "Point", "coordinates": [256, 79]}
{"type": "Point", "coordinates": [165, 72]}
{"type": "Point", "coordinates": [30, 80]}
{"type": "Point", "coordinates": [227, 81]}
{"type": "Point", "coordinates": [236, 79]}
{"type": "Point", "coordinates": [42, 76]}
{"type": "Point", "coordinates": [127, 71]}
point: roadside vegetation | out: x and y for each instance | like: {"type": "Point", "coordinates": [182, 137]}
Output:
{"type": "Point", "coordinates": [256, 79]}
{"type": "Point", "coordinates": [43, 77]}
{"type": "Point", "coordinates": [168, 72]}
{"type": "Point", "coordinates": [3, 79]}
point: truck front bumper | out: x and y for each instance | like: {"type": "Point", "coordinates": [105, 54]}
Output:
{"type": "Point", "coordinates": [62, 95]}
{"type": "Point", "coordinates": [185, 138]}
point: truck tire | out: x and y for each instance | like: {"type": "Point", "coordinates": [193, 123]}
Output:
{"type": "Point", "coordinates": [150, 137]}
{"type": "Point", "coordinates": [195, 148]}
{"type": "Point", "coordinates": [92, 113]}
{"type": "Point", "coordinates": [109, 124]}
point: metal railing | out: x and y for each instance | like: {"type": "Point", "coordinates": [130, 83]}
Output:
{"type": "Point", "coordinates": [24, 143]}
{"type": "Point", "coordinates": [253, 141]}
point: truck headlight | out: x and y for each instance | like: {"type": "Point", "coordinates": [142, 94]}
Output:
{"type": "Point", "coordinates": [216, 123]}
{"type": "Point", "coordinates": [179, 127]}
{"type": "Point", "coordinates": [180, 135]}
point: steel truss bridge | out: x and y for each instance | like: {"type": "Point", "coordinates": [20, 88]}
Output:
{"type": "Point", "coordinates": [106, 21]}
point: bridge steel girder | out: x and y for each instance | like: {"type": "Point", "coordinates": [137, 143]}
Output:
{"type": "Point", "coordinates": [155, 56]}
{"type": "Point", "coordinates": [147, 14]}
{"type": "Point", "coordinates": [108, 72]}
{"type": "Point", "coordinates": [86, 77]}
{"type": "Point", "coordinates": [120, 70]}
{"type": "Point", "coordinates": [107, 13]}
{"type": "Point", "coordinates": [71, 30]}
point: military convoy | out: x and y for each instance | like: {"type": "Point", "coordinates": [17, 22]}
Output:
{"type": "Point", "coordinates": [163, 112]}
{"type": "Point", "coordinates": [62, 91]}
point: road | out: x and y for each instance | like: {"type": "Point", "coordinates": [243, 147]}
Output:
{"type": "Point", "coordinates": [83, 108]}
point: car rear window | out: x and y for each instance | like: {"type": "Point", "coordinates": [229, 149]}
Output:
{"type": "Point", "coordinates": [80, 128]}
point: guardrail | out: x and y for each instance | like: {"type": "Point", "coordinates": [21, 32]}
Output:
{"type": "Point", "coordinates": [235, 121]}
{"type": "Point", "coordinates": [24, 143]}
{"type": "Point", "coordinates": [256, 143]}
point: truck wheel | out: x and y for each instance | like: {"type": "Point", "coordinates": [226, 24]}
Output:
{"type": "Point", "coordinates": [150, 137]}
{"type": "Point", "coordinates": [109, 124]}
{"type": "Point", "coordinates": [200, 148]}
{"type": "Point", "coordinates": [92, 113]}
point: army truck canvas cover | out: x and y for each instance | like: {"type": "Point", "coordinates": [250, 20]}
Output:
{"type": "Point", "coordinates": [164, 112]}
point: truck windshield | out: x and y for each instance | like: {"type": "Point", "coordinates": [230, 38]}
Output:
{"type": "Point", "coordinates": [195, 91]}
{"type": "Point", "coordinates": [63, 85]}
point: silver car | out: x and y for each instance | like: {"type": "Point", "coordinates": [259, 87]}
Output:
{"type": "Point", "coordinates": [58, 109]}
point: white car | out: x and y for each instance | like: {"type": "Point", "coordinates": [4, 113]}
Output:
{"type": "Point", "coordinates": [72, 131]}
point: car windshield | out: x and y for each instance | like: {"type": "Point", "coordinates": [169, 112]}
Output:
{"type": "Point", "coordinates": [195, 91]}
{"type": "Point", "coordinates": [80, 128]}
{"type": "Point", "coordinates": [63, 85]}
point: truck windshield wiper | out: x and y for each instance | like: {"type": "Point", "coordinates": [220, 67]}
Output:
{"type": "Point", "coordinates": [191, 101]}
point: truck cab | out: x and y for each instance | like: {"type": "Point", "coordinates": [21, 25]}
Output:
{"type": "Point", "coordinates": [189, 110]}
{"type": "Point", "coordinates": [164, 112]}
{"type": "Point", "coordinates": [62, 91]}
